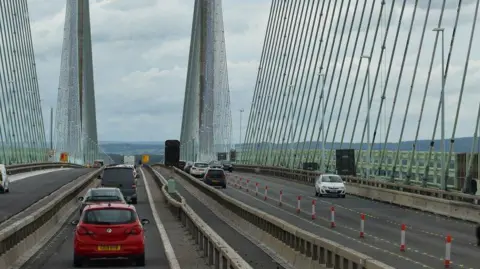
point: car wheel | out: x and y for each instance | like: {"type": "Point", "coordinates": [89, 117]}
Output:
{"type": "Point", "coordinates": [140, 260]}
{"type": "Point", "coordinates": [7, 190]}
{"type": "Point", "coordinates": [77, 261]}
{"type": "Point", "coordinates": [134, 201]}
{"type": "Point", "coordinates": [343, 196]}
{"type": "Point", "coordinates": [224, 186]}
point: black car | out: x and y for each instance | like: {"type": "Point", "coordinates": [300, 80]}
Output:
{"type": "Point", "coordinates": [215, 177]}
{"type": "Point", "coordinates": [121, 177]}
{"type": "Point", "coordinates": [227, 166]}
{"type": "Point", "coordinates": [181, 164]}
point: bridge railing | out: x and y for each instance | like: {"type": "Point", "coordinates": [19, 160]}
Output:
{"type": "Point", "coordinates": [308, 177]}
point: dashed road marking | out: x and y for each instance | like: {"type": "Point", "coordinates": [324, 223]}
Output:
{"type": "Point", "coordinates": [251, 193]}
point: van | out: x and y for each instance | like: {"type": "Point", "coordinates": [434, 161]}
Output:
{"type": "Point", "coordinates": [4, 181]}
{"type": "Point", "coordinates": [121, 177]}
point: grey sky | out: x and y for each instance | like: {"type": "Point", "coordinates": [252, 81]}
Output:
{"type": "Point", "coordinates": [141, 51]}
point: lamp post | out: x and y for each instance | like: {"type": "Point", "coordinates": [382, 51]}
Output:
{"type": "Point", "coordinates": [240, 140]}
{"type": "Point", "coordinates": [369, 150]}
{"type": "Point", "coordinates": [442, 102]}
{"type": "Point", "coordinates": [322, 104]}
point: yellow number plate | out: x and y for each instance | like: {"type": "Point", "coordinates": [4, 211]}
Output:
{"type": "Point", "coordinates": [108, 248]}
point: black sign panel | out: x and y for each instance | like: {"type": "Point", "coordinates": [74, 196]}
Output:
{"type": "Point", "coordinates": [345, 162]}
{"type": "Point", "coordinates": [233, 155]}
{"type": "Point", "coordinates": [172, 152]}
{"type": "Point", "coordinates": [221, 156]}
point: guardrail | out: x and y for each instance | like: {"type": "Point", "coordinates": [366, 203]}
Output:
{"type": "Point", "coordinates": [217, 251]}
{"type": "Point", "coordinates": [306, 250]}
{"type": "Point", "coordinates": [14, 233]}
{"type": "Point", "coordinates": [28, 167]}
{"type": "Point", "coordinates": [447, 203]}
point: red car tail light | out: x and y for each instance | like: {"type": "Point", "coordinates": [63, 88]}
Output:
{"type": "Point", "coordinates": [84, 231]}
{"type": "Point", "coordinates": [134, 186]}
{"type": "Point", "coordinates": [136, 230]}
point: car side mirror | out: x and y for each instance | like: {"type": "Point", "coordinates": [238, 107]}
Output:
{"type": "Point", "coordinates": [145, 221]}
{"type": "Point", "coordinates": [80, 198]}
{"type": "Point", "coordinates": [74, 222]}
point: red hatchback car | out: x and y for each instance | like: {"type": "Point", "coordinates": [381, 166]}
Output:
{"type": "Point", "coordinates": [109, 231]}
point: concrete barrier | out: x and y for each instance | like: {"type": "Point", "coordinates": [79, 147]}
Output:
{"type": "Point", "coordinates": [450, 204]}
{"type": "Point", "coordinates": [217, 252]}
{"type": "Point", "coordinates": [300, 248]}
{"type": "Point", "coordinates": [17, 237]}
{"type": "Point", "coordinates": [29, 167]}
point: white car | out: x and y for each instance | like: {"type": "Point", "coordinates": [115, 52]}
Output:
{"type": "Point", "coordinates": [4, 181]}
{"type": "Point", "coordinates": [198, 169]}
{"type": "Point", "coordinates": [330, 185]}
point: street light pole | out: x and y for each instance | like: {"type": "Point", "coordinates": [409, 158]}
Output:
{"type": "Point", "coordinates": [322, 104]}
{"type": "Point", "coordinates": [369, 150]}
{"type": "Point", "coordinates": [240, 141]}
{"type": "Point", "coordinates": [442, 101]}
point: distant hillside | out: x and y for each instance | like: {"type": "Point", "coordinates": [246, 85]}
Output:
{"type": "Point", "coordinates": [463, 144]}
{"type": "Point", "coordinates": [133, 148]}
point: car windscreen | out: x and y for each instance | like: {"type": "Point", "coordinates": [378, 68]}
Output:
{"type": "Point", "coordinates": [109, 216]}
{"type": "Point", "coordinates": [118, 177]}
{"type": "Point", "coordinates": [226, 162]}
{"type": "Point", "coordinates": [98, 195]}
{"type": "Point", "coordinates": [333, 179]}
{"type": "Point", "coordinates": [215, 174]}
{"type": "Point", "coordinates": [201, 165]}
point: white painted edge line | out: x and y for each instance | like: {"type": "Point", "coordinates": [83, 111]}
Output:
{"type": "Point", "coordinates": [169, 252]}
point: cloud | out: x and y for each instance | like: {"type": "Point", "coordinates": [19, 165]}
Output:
{"type": "Point", "coordinates": [141, 48]}
{"type": "Point", "coordinates": [140, 54]}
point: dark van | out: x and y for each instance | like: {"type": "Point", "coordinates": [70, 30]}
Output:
{"type": "Point", "coordinates": [121, 177]}
{"type": "Point", "coordinates": [215, 177]}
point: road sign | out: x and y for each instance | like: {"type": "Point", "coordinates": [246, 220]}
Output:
{"type": "Point", "coordinates": [145, 158]}
{"type": "Point", "coordinates": [64, 157]}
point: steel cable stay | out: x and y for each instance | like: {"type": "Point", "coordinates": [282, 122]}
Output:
{"type": "Point", "coordinates": [325, 16]}
{"type": "Point", "coordinates": [329, 62]}
{"type": "Point", "coordinates": [394, 102]}
{"type": "Point", "coordinates": [264, 58]}
{"type": "Point", "coordinates": [290, 77]}
{"type": "Point", "coordinates": [322, 94]}
{"type": "Point", "coordinates": [332, 78]}
{"type": "Point", "coordinates": [367, 30]}
{"type": "Point", "coordinates": [422, 108]}
{"type": "Point", "coordinates": [462, 88]}
{"type": "Point", "coordinates": [317, 27]}
{"type": "Point", "coordinates": [272, 76]}
{"type": "Point", "coordinates": [311, 81]}
{"type": "Point", "coordinates": [264, 154]}
{"type": "Point", "coordinates": [281, 112]}
{"type": "Point", "coordinates": [285, 46]}
{"type": "Point", "coordinates": [324, 79]}
{"type": "Point", "coordinates": [369, 98]}
{"type": "Point", "coordinates": [340, 76]}
{"type": "Point", "coordinates": [299, 80]}
{"type": "Point", "coordinates": [412, 84]}
{"type": "Point", "coordinates": [392, 56]}
{"type": "Point", "coordinates": [432, 143]}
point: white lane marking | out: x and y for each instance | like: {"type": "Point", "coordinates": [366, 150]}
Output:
{"type": "Point", "coordinates": [170, 253]}
{"type": "Point", "coordinates": [21, 176]}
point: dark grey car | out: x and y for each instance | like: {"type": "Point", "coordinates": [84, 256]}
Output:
{"type": "Point", "coordinates": [121, 177]}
